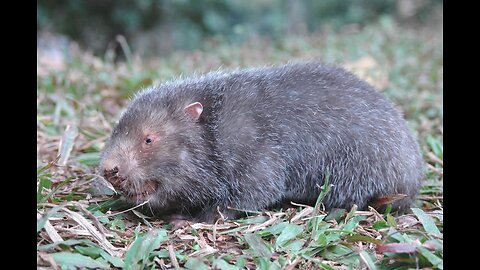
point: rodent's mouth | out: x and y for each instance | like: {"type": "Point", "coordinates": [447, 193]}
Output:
{"type": "Point", "coordinates": [137, 198]}
{"type": "Point", "coordinates": [141, 193]}
{"type": "Point", "coordinates": [133, 190]}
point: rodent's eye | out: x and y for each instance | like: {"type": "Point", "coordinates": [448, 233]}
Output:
{"type": "Point", "coordinates": [150, 139]}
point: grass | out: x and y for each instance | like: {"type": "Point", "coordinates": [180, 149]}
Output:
{"type": "Point", "coordinates": [81, 225]}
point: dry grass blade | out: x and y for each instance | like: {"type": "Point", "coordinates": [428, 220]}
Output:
{"type": "Point", "coordinates": [127, 210]}
{"type": "Point", "coordinates": [93, 218]}
{"type": "Point", "coordinates": [204, 226]}
{"type": "Point", "coordinates": [160, 262]}
{"type": "Point", "coordinates": [305, 212]}
{"type": "Point", "coordinates": [66, 144]}
{"type": "Point", "coordinates": [52, 233]}
{"type": "Point", "coordinates": [300, 205]}
{"type": "Point", "coordinates": [50, 230]}
{"type": "Point", "coordinates": [262, 225]}
{"type": "Point", "coordinates": [173, 258]}
{"type": "Point", "coordinates": [363, 213]}
{"type": "Point", "coordinates": [438, 171]}
{"type": "Point", "coordinates": [99, 237]}
{"type": "Point", "coordinates": [434, 158]}
{"type": "Point", "coordinates": [205, 250]}
{"type": "Point", "coordinates": [377, 215]}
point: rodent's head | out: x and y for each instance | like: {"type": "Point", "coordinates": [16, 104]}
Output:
{"type": "Point", "coordinates": [150, 148]}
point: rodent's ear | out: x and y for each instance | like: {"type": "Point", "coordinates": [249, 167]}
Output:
{"type": "Point", "coordinates": [194, 110]}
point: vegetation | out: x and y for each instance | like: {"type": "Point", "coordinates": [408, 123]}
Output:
{"type": "Point", "coordinates": [80, 224]}
{"type": "Point", "coordinates": [162, 26]}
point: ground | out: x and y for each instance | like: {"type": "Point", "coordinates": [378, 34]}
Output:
{"type": "Point", "coordinates": [80, 96]}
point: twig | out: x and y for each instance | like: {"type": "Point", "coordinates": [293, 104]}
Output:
{"type": "Point", "coordinates": [173, 258]}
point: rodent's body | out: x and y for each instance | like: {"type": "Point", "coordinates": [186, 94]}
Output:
{"type": "Point", "coordinates": [262, 136]}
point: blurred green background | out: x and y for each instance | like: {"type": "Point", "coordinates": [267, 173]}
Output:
{"type": "Point", "coordinates": [158, 27]}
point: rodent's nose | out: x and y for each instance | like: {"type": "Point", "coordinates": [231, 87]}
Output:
{"type": "Point", "coordinates": [113, 177]}
{"type": "Point", "coordinates": [109, 164]}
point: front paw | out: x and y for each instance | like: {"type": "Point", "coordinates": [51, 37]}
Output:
{"type": "Point", "coordinates": [216, 214]}
{"type": "Point", "coordinates": [179, 221]}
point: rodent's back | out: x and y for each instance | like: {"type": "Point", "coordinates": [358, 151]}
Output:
{"type": "Point", "coordinates": [313, 120]}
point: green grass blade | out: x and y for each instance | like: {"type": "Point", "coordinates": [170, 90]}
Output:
{"type": "Point", "coordinates": [432, 258]}
{"type": "Point", "coordinates": [290, 232]}
{"type": "Point", "coordinates": [44, 182]}
{"type": "Point", "coordinates": [427, 221]}
{"type": "Point", "coordinates": [196, 264]}
{"type": "Point", "coordinates": [367, 260]}
{"type": "Point", "coordinates": [223, 265]}
{"type": "Point", "coordinates": [258, 245]}
{"type": "Point", "coordinates": [115, 261]}
{"type": "Point", "coordinates": [69, 242]}
{"type": "Point", "coordinates": [75, 260]}
{"type": "Point", "coordinates": [132, 254]}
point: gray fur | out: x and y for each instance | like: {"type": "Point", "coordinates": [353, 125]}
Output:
{"type": "Point", "coordinates": [266, 135]}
